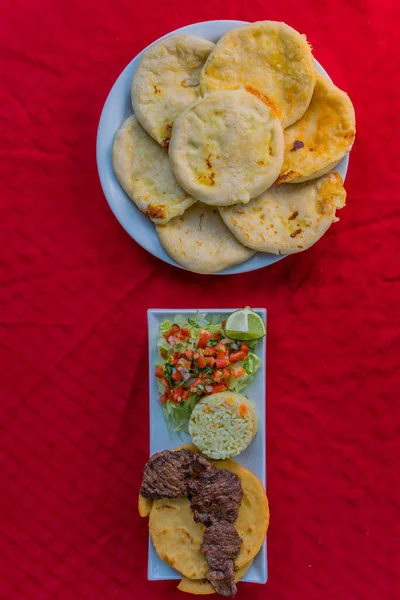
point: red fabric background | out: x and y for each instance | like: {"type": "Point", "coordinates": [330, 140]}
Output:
{"type": "Point", "coordinates": [74, 290]}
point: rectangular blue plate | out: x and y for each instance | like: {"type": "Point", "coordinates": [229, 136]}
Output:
{"type": "Point", "coordinates": [253, 458]}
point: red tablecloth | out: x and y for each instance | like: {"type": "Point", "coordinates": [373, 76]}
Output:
{"type": "Point", "coordinates": [74, 290]}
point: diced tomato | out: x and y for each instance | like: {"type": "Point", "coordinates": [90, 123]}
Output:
{"type": "Point", "coordinates": [202, 362]}
{"type": "Point", "coordinates": [173, 359]}
{"type": "Point", "coordinates": [223, 324]}
{"type": "Point", "coordinates": [177, 394]}
{"type": "Point", "coordinates": [211, 361]}
{"type": "Point", "coordinates": [185, 394]}
{"type": "Point", "coordinates": [196, 383]}
{"type": "Point", "coordinates": [236, 356]}
{"type": "Point", "coordinates": [244, 348]}
{"type": "Point", "coordinates": [183, 334]}
{"type": "Point", "coordinates": [218, 387]}
{"type": "Point", "coordinates": [159, 372]}
{"type": "Point", "coordinates": [165, 384]}
{"type": "Point", "coordinates": [209, 351]}
{"type": "Point", "coordinates": [163, 399]}
{"type": "Point", "coordinates": [227, 374]}
{"type": "Point", "coordinates": [203, 339]}
{"type": "Point", "coordinates": [217, 376]}
{"type": "Point", "coordinates": [220, 348]}
{"type": "Point", "coordinates": [216, 336]}
{"type": "Point", "coordinates": [174, 329]}
{"type": "Point", "coordinates": [163, 353]}
{"type": "Point", "coordinates": [222, 354]}
{"type": "Point", "coordinates": [189, 354]}
{"type": "Point", "coordinates": [240, 372]}
{"type": "Point", "coordinates": [185, 364]}
{"type": "Point", "coordinates": [222, 363]}
{"type": "Point", "coordinates": [177, 376]}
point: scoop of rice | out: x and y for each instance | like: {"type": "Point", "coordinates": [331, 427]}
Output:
{"type": "Point", "coordinates": [223, 425]}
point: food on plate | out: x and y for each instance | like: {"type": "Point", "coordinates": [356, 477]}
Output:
{"type": "Point", "coordinates": [288, 218]}
{"type": "Point", "coordinates": [241, 119]}
{"type": "Point", "coordinates": [215, 495]}
{"type": "Point", "coordinates": [177, 538]}
{"type": "Point", "coordinates": [272, 57]}
{"type": "Point", "coordinates": [166, 81]}
{"type": "Point", "coordinates": [223, 425]}
{"type": "Point", "coordinates": [227, 147]}
{"type": "Point", "coordinates": [218, 545]}
{"type": "Point", "coordinates": [212, 506]}
{"type": "Point", "coordinates": [322, 137]}
{"type": "Point", "coordinates": [168, 474]}
{"type": "Point", "coordinates": [143, 169]}
{"type": "Point", "coordinates": [221, 545]}
{"type": "Point", "coordinates": [197, 359]}
{"type": "Point", "coordinates": [144, 506]}
{"type": "Point", "coordinates": [203, 586]}
{"type": "Point", "coordinates": [200, 241]}
{"type": "Point", "coordinates": [245, 324]}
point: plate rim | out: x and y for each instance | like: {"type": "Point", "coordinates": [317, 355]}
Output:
{"type": "Point", "coordinates": [104, 159]}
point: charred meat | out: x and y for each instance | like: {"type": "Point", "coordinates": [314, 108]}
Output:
{"type": "Point", "coordinates": [167, 474]}
{"type": "Point", "coordinates": [215, 496]}
{"type": "Point", "coordinates": [221, 545]}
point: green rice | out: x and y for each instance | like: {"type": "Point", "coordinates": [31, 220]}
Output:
{"type": "Point", "coordinates": [223, 425]}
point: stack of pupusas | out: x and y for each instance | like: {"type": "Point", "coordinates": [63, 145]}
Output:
{"type": "Point", "coordinates": [207, 519]}
{"type": "Point", "coordinates": [231, 146]}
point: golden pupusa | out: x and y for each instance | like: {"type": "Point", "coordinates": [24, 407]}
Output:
{"type": "Point", "coordinates": [287, 218]}
{"type": "Point", "coordinates": [144, 172]}
{"type": "Point", "coordinates": [201, 242]}
{"type": "Point", "coordinates": [272, 57]}
{"type": "Point", "coordinates": [166, 81]}
{"type": "Point", "coordinates": [227, 147]}
{"type": "Point", "coordinates": [322, 137]}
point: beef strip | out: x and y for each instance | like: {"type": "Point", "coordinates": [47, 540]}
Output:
{"type": "Point", "coordinates": [221, 545]}
{"type": "Point", "coordinates": [215, 496]}
{"type": "Point", "coordinates": [167, 474]}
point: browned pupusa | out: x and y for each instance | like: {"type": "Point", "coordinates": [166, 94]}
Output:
{"type": "Point", "coordinates": [227, 147]}
{"type": "Point", "coordinates": [322, 137]}
{"type": "Point", "coordinates": [287, 218]}
{"type": "Point", "coordinates": [272, 57]}
{"type": "Point", "coordinates": [144, 172]}
{"type": "Point", "coordinates": [166, 81]}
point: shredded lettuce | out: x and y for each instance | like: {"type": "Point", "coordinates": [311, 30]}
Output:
{"type": "Point", "coordinates": [177, 414]}
{"type": "Point", "coordinates": [160, 386]}
{"type": "Point", "coordinates": [251, 366]}
{"type": "Point", "coordinates": [162, 344]}
{"type": "Point", "coordinates": [165, 326]}
{"type": "Point", "coordinates": [252, 346]}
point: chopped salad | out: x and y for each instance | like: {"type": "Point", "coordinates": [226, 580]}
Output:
{"type": "Point", "coordinates": [198, 359]}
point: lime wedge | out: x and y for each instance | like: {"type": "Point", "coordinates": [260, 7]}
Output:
{"type": "Point", "coordinates": [245, 324]}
